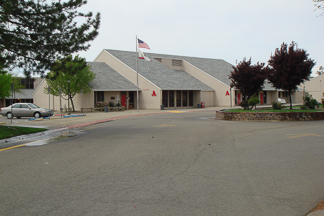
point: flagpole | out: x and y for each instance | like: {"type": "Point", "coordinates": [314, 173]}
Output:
{"type": "Point", "coordinates": [137, 74]}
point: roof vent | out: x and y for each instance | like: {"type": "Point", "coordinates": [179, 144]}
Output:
{"type": "Point", "coordinates": [159, 59]}
{"type": "Point", "coordinates": [176, 62]}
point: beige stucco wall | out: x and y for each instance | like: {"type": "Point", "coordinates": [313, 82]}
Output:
{"type": "Point", "coordinates": [297, 97]}
{"type": "Point", "coordinates": [272, 96]}
{"type": "Point", "coordinates": [37, 81]}
{"type": "Point", "coordinates": [208, 97]}
{"type": "Point", "coordinates": [220, 88]}
{"type": "Point", "coordinates": [147, 101]}
{"type": "Point", "coordinates": [42, 100]}
{"type": "Point", "coordinates": [197, 98]}
{"type": "Point", "coordinates": [315, 87]}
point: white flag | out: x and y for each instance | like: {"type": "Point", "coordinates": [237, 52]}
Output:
{"type": "Point", "coordinates": [142, 56]}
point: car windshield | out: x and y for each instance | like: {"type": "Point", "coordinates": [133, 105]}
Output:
{"type": "Point", "coordinates": [33, 105]}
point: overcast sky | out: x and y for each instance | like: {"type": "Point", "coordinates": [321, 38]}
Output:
{"type": "Point", "coordinates": [218, 29]}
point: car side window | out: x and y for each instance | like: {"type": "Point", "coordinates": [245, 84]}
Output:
{"type": "Point", "coordinates": [24, 106]}
{"type": "Point", "coordinates": [16, 106]}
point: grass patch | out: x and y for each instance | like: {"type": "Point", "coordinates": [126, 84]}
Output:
{"type": "Point", "coordinates": [271, 110]}
{"type": "Point", "coordinates": [11, 131]}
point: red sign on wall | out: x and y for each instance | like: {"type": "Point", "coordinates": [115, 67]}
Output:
{"type": "Point", "coordinates": [227, 93]}
{"type": "Point", "coordinates": [153, 93]}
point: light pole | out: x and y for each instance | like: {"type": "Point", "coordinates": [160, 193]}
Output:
{"type": "Point", "coordinates": [68, 96]}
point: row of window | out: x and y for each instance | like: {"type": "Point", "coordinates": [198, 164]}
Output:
{"type": "Point", "coordinates": [28, 83]}
{"type": "Point", "coordinates": [282, 94]}
{"type": "Point", "coordinates": [181, 98]}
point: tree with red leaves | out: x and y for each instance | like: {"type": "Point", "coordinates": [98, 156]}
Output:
{"type": "Point", "coordinates": [289, 67]}
{"type": "Point", "coordinates": [247, 78]}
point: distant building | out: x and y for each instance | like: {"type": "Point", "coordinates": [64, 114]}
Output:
{"type": "Point", "coordinates": [26, 95]}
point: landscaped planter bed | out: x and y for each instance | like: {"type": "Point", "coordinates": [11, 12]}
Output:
{"type": "Point", "coordinates": [270, 116]}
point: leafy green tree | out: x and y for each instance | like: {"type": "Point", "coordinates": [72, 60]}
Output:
{"type": "Point", "coordinates": [289, 67]}
{"type": "Point", "coordinates": [74, 69]}
{"type": "Point", "coordinates": [17, 84]}
{"type": "Point", "coordinates": [5, 81]}
{"type": "Point", "coordinates": [35, 34]}
{"type": "Point", "coordinates": [249, 79]}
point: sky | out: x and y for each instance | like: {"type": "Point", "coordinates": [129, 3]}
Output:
{"type": "Point", "coordinates": [217, 29]}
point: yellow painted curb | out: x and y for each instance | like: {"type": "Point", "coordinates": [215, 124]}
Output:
{"type": "Point", "coordinates": [2, 123]}
{"type": "Point", "coordinates": [53, 118]}
{"type": "Point", "coordinates": [40, 119]}
{"type": "Point", "coordinates": [17, 146]}
{"type": "Point", "coordinates": [176, 112]}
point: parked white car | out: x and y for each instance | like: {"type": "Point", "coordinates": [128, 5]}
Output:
{"type": "Point", "coordinates": [280, 100]}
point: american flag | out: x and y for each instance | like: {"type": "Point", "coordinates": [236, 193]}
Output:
{"type": "Point", "coordinates": [142, 44]}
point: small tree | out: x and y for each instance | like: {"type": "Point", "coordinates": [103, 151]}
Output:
{"type": "Point", "coordinates": [247, 78]}
{"type": "Point", "coordinates": [74, 69]}
{"type": "Point", "coordinates": [5, 80]}
{"type": "Point", "coordinates": [17, 85]}
{"type": "Point", "coordinates": [309, 101]}
{"type": "Point", "coordinates": [289, 67]}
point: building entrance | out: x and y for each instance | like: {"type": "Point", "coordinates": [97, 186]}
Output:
{"type": "Point", "coordinates": [178, 98]}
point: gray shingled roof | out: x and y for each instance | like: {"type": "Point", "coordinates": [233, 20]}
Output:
{"type": "Point", "coordinates": [159, 74]}
{"type": "Point", "coordinates": [107, 79]}
{"type": "Point", "coordinates": [26, 94]}
{"type": "Point", "coordinates": [268, 86]}
{"type": "Point", "coordinates": [217, 68]}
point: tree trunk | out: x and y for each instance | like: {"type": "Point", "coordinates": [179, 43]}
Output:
{"type": "Point", "coordinates": [72, 104]}
{"type": "Point", "coordinates": [290, 99]}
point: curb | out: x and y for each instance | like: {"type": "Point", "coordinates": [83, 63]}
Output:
{"type": "Point", "coordinates": [2, 123]}
{"type": "Point", "coordinates": [111, 119]}
{"type": "Point", "coordinates": [55, 117]}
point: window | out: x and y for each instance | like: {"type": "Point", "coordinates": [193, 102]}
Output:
{"type": "Point", "coordinates": [171, 98]}
{"type": "Point", "coordinates": [178, 94]}
{"type": "Point", "coordinates": [285, 94]}
{"type": "Point", "coordinates": [190, 98]}
{"type": "Point", "coordinates": [184, 98]}
{"type": "Point", "coordinates": [100, 96]}
{"type": "Point", "coordinates": [27, 83]}
{"type": "Point", "coordinates": [265, 97]}
{"type": "Point", "coordinates": [165, 98]}
{"type": "Point", "coordinates": [24, 106]}
{"type": "Point", "coordinates": [16, 106]}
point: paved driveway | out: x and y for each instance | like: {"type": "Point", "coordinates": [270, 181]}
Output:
{"type": "Point", "coordinates": [169, 164]}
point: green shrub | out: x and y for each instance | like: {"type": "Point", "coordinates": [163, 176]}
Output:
{"type": "Point", "coordinates": [253, 101]}
{"type": "Point", "coordinates": [118, 105]}
{"type": "Point", "coordinates": [312, 104]}
{"type": "Point", "coordinates": [245, 104]}
{"type": "Point", "coordinates": [276, 105]}
{"type": "Point", "coordinates": [111, 104]}
{"type": "Point", "coordinates": [309, 101]}
{"type": "Point", "coordinates": [101, 104]}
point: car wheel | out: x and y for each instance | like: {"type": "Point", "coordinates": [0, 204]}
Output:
{"type": "Point", "coordinates": [37, 115]}
{"type": "Point", "coordinates": [9, 115]}
{"type": "Point", "coordinates": [18, 117]}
